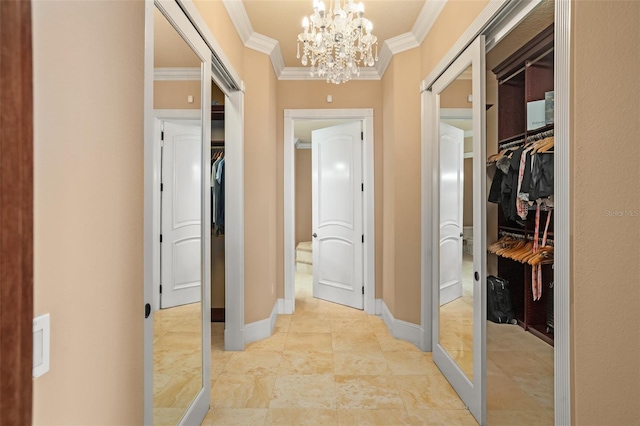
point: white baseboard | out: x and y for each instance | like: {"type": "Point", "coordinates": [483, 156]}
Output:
{"type": "Point", "coordinates": [285, 306]}
{"type": "Point", "coordinates": [233, 341]}
{"type": "Point", "coordinates": [401, 329]}
{"type": "Point", "coordinates": [261, 329]}
{"type": "Point", "coordinates": [378, 307]}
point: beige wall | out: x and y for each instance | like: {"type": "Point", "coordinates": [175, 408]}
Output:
{"type": "Point", "coordinates": [456, 95]}
{"type": "Point", "coordinates": [88, 105]}
{"type": "Point", "coordinates": [173, 94]}
{"type": "Point", "coordinates": [605, 180]}
{"type": "Point", "coordinates": [452, 22]}
{"type": "Point", "coordinates": [402, 169]}
{"type": "Point", "coordinates": [467, 210]}
{"type": "Point", "coordinates": [303, 195]}
{"type": "Point", "coordinates": [218, 21]}
{"type": "Point", "coordinates": [313, 95]}
{"type": "Point", "coordinates": [260, 187]}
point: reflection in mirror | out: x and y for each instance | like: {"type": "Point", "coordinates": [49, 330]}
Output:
{"type": "Point", "coordinates": [456, 222]}
{"type": "Point", "coordinates": [177, 344]}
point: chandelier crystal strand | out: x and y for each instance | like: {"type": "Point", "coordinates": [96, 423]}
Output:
{"type": "Point", "coordinates": [336, 42]}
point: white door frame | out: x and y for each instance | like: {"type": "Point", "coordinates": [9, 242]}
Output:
{"type": "Point", "coordinates": [496, 21]}
{"type": "Point", "coordinates": [228, 80]}
{"type": "Point", "coordinates": [287, 305]}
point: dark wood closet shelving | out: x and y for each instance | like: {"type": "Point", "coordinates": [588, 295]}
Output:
{"type": "Point", "coordinates": [524, 77]}
{"type": "Point", "coordinates": [217, 112]}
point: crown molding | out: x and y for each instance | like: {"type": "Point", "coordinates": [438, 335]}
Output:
{"type": "Point", "coordinates": [427, 17]}
{"type": "Point", "coordinates": [240, 19]}
{"type": "Point", "coordinates": [384, 59]}
{"type": "Point", "coordinates": [253, 40]}
{"type": "Point", "coordinates": [177, 74]}
{"type": "Point", "coordinates": [402, 43]}
{"type": "Point", "coordinates": [302, 73]}
{"type": "Point", "coordinates": [261, 43]}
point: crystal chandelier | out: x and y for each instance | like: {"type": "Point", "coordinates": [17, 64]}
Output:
{"type": "Point", "coordinates": [336, 42]}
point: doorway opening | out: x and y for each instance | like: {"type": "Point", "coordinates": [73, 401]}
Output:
{"type": "Point", "coordinates": [293, 231]}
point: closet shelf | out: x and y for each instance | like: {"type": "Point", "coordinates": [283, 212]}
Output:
{"type": "Point", "coordinates": [217, 112]}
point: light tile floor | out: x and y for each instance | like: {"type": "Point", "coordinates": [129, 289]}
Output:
{"type": "Point", "coordinates": [331, 365]}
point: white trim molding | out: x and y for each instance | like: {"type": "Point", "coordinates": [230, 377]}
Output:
{"type": "Point", "coordinates": [366, 116]}
{"type": "Point", "coordinates": [399, 329]}
{"type": "Point", "coordinates": [261, 329]}
{"type": "Point", "coordinates": [562, 217]}
{"type": "Point", "coordinates": [177, 74]}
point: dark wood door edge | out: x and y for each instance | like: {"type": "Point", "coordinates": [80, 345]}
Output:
{"type": "Point", "coordinates": [16, 213]}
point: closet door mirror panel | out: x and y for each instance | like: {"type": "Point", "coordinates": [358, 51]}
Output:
{"type": "Point", "coordinates": [456, 222]}
{"type": "Point", "coordinates": [178, 342]}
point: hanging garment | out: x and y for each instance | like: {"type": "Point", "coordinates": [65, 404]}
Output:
{"type": "Point", "coordinates": [220, 198]}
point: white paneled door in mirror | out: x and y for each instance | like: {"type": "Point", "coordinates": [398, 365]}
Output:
{"type": "Point", "coordinates": [177, 352]}
{"type": "Point", "coordinates": [459, 291]}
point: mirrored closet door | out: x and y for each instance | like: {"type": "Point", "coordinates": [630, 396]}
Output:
{"type": "Point", "coordinates": [177, 153]}
{"type": "Point", "coordinates": [459, 299]}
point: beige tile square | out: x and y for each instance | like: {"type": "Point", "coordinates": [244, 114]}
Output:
{"type": "Point", "coordinates": [300, 417]}
{"type": "Point", "coordinates": [520, 363]}
{"type": "Point", "coordinates": [242, 391]}
{"type": "Point", "coordinates": [167, 416]}
{"type": "Point", "coordinates": [541, 388]}
{"type": "Point", "coordinates": [235, 417]}
{"type": "Point", "coordinates": [388, 343]}
{"type": "Point", "coordinates": [309, 342]}
{"type": "Point", "coordinates": [511, 417]}
{"type": "Point", "coordinates": [504, 394]}
{"type": "Point", "coordinates": [428, 392]}
{"type": "Point", "coordinates": [299, 391]}
{"type": "Point", "coordinates": [359, 363]}
{"type": "Point", "coordinates": [177, 392]}
{"type": "Point", "coordinates": [367, 392]}
{"type": "Point", "coordinates": [253, 363]}
{"type": "Point", "coordinates": [283, 322]}
{"type": "Point", "coordinates": [373, 417]}
{"type": "Point", "coordinates": [218, 362]}
{"type": "Point", "coordinates": [346, 342]}
{"type": "Point", "coordinates": [411, 363]}
{"type": "Point", "coordinates": [298, 362]}
{"type": "Point", "coordinates": [300, 324]}
{"type": "Point", "coordinates": [273, 343]}
{"type": "Point", "coordinates": [442, 417]}
{"type": "Point", "coordinates": [351, 325]}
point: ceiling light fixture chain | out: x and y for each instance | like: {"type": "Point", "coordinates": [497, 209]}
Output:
{"type": "Point", "coordinates": [337, 42]}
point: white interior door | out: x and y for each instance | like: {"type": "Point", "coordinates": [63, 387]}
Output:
{"type": "Point", "coordinates": [451, 209]}
{"type": "Point", "coordinates": [337, 214]}
{"type": "Point", "coordinates": [459, 327]}
{"type": "Point", "coordinates": [181, 211]}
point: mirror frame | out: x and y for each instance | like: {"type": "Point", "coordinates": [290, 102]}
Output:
{"type": "Point", "coordinates": [196, 412]}
{"type": "Point", "coordinates": [472, 392]}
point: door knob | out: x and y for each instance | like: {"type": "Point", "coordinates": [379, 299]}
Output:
{"type": "Point", "coordinates": [315, 235]}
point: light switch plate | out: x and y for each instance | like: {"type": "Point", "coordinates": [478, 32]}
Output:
{"type": "Point", "coordinates": [41, 345]}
